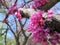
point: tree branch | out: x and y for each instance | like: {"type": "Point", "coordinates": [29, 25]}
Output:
{"type": "Point", "coordinates": [3, 3]}
{"type": "Point", "coordinates": [15, 1]}
{"type": "Point", "coordinates": [22, 29]}
{"type": "Point", "coordinates": [26, 3]}
{"type": "Point", "coordinates": [6, 38]}
{"type": "Point", "coordinates": [25, 22]}
{"type": "Point", "coordinates": [4, 32]}
{"type": "Point", "coordinates": [48, 5]}
{"type": "Point", "coordinates": [10, 28]}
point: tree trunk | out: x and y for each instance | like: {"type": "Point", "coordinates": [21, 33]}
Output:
{"type": "Point", "coordinates": [17, 40]}
{"type": "Point", "coordinates": [25, 41]}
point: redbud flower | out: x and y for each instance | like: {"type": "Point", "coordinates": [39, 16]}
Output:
{"type": "Point", "coordinates": [38, 3]}
{"type": "Point", "coordinates": [40, 33]}
{"type": "Point", "coordinates": [45, 42]}
{"type": "Point", "coordinates": [36, 26]}
{"type": "Point", "coordinates": [18, 15]}
{"type": "Point", "coordinates": [12, 9]}
{"type": "Point", "coordinates": [49, 14]}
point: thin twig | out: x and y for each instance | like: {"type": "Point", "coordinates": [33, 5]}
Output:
{"type": "Point", "coordinates": [4, 32]}
{"type": "Point", "coordinates": [23, 25]}
{"type": "Point", "coordinates": [15, 1]}
{"type": "Point", "coordinates": [26, 3]}
{"type": "Point", "coordinates": [22, 29]}
{"type": "Point", "coordinates": [6, 38]}
{"type": "Point", "coordinates": [25, 22]}
{"type": "Point", "coordinates": [11, 29]}
{"type": "Point", "coordinates": [15, 22]}
{"type": "Point", "coordinates": [3, 2]}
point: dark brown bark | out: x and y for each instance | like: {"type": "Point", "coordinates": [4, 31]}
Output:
{"type": "Point", "coordinates": [5, 38]}
{"type": "Point", "coordinates": [26, 39]}
{"type": "Point", "coordinates": [17, 40]}
{"type": "Point", "coordinates": [48, 5]}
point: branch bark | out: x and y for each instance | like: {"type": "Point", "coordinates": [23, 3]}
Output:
{"type": "Point", "coordinates": [5, 38]}
{"type": "Point", "coordinates": [48, 5]}
{"type": "Point", "coordinates": [17, 40]}
{"type": "Point", "coordinates": [10, 28]}
{"type": "Point", "coordinates": [16, 36]}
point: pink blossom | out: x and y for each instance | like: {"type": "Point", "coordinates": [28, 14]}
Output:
{"type": "Point", "coordinates": [40, 33]}
{"type": "Point", "coordinates": [36, 26]}
{"type": "Point", "coordinates": [45, 42]}
{"type": "Point", "coordinates": [18, 15]}
{"type": "Point", "coordinates": [38, 3]}
{"type": "Point", "coordinates": [49, 14]}
{"type": "Point", "coordinates": [12, 9]}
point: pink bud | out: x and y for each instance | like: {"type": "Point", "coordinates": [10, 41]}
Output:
{"type": "Point", "coordinates": [18, 15]}
{"type": "Point", "coordinates": [49, 14]}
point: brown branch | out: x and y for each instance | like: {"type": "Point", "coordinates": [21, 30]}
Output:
{"type": "Point", "coordinates": [26, 12]}
{"type": "Point", "coordinates": [23, 25]}
{"type": "Point", "coordinates": [15, 23]}
{"type": "Point", "coordinates": [3, 2]}
{"type": "Point", "coordinates": [15, 1]}
{"type": "Point", "coordinates": [10, 28]}
{"type": "Point", "coordinates": [22, 29]}
{"type": "Point", "coordinates": [4, 32]}
{"type": "Point", "coordinates": [26, 3]}
{"type": "Point", "coordinates": [23, 32]}
{"type": "Point", "coordinates": [6, 38]}
{"type": "Point", "coordinates": [48, 5]}
{"type": "Point", "coordinates": [26, 39]}
{"type": "Point", "coordinates": [25, 22]}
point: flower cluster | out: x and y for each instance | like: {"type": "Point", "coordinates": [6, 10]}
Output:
{"type": "Point", "coordinates": [40, 33]}
{"type": "Point", "coordinates": [38, 3]}
{"type": "Point", "coordinates": [14, 10]}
